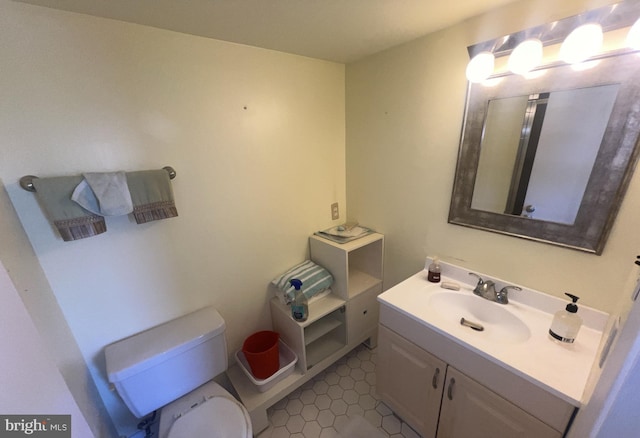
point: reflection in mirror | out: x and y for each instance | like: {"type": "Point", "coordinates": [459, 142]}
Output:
{"type": "Point", "coordinates": [537, 152]}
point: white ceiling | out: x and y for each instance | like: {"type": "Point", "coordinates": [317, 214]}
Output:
{"type": "Point", "coordinates": [335, 30]}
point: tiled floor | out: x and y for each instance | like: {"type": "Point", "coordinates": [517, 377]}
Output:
{"type": "Point", "coordinates": [322, 406]}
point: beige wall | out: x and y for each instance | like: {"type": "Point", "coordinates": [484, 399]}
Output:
{"type": "Point", "coordinates": [404, 113]}
{"type": "Point", "coordinates": [257, 139]}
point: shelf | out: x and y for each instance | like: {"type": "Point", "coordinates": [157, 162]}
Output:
{"type": "Point", "coordinates": [249, 394]}
{"type": "Point", "coordinates": [317, 309]}
{"type": "Point", "coordinates": [336, 324]}
{"type": "Point", "coordinates": [360, 282]}
{"type": "Point", "coordinates": [322, 348]}
{"type": "Point", "coordinates": [320, 328]}
{"type": "Point", "coordinates": [257, 402]}
{"type": "Point", "coordinates": [323, 307]}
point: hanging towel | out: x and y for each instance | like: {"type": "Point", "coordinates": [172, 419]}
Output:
{"type": "Point", "coordinates": [152, 195]}
{"type": "Point", "coordinates": [72, 221]}
{"type": "Point", "coordinates": [106, 194]}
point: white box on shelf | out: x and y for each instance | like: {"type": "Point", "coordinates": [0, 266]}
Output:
{"type": "Point", "coordinates": [288, 359]}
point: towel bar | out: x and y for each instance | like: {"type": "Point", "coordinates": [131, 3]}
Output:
{"type": "Point", "coordinates": [26, 182]}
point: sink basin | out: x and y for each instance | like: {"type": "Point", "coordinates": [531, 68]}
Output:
{"type": "Point", "coordinates": [500, 325]}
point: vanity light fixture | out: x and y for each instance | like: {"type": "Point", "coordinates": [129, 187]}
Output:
{"type": "Point", "coordinates": [633, 38]}
{"type": "Point", "coordinates": [582, 43]}
{"type": "Point", "coordinates": [526, 56]}
{"type": "Point", "coordinates": [581, 37]}
{"type": "Point", "coordinates": [585, 65]}
{"type": "Point", "coordinates": [535, 74]}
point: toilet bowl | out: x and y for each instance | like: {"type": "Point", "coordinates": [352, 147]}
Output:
{"type": "Point", "coordinates": [170, 368]}
{"type": "Point", "coordinates": [208, 411]}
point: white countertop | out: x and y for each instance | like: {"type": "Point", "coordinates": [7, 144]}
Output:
{"type": "Point", "coordinates": [561, 369]}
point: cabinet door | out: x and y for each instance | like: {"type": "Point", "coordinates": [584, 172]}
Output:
{"type": "Point", "coordinates": [471, 410]}
{"type": "Point", "coordinates": [362, 316]}
{"type": "Point", "coordinates": [410, 381]}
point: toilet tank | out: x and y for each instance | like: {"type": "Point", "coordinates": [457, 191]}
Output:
{"type": "Point", "coordinates": [155, 367]}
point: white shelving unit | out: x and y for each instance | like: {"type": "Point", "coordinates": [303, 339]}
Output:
{"type": "Point", "coordinates": [320, 336]}
{"type": "Point", "coordinates": [337, 323]}
{"type": "Point", "coordinates": [357, 270]}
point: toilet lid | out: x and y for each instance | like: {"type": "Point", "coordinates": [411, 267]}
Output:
{"type": "Point", "coordinates": [217, 417]}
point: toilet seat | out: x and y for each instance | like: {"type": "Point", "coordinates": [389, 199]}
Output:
{"type": "Point", "coordinates": [216, 417]}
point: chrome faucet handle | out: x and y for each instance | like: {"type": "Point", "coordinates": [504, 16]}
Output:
{"type": "Point", "coordinates": [480, 280]}
{"type": "Point", "coordinates": [478, 289]}
{"type": "Point", "coordinates": [502, 297]}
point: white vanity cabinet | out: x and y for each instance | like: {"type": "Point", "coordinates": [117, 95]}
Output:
{"type": "Point", "coordinates": [439, 401]}
{"type": "Point", "coordinates": [508, 380]}
{"type": "Point", "coordinates": [472, 410]}
{"type": "Point", "coordinates": [410, 381]}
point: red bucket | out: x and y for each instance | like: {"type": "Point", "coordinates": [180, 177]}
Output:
{"type": "Point", "coordinates": [261, 351]}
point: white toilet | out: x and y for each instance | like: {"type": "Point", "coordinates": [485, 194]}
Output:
{"type": "Point", "coordinates": [170, 367]}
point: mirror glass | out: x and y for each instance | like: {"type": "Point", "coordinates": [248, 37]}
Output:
{"type": "Point", "coordinates": [549, 158]}
{"type": "Point", "coordinates": [537, 152]}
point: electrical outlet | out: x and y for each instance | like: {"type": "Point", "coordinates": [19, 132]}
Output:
{"type": "Point", "coordinates": [335, 213]}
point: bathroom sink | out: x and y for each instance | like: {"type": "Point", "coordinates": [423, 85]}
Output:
{"type": "Point", "coordinates": [498, 324]}
{"type": "Point", "coordinates": [514, 337]}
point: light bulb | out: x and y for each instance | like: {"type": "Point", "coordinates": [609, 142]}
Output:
{"type": "Point", "coordinates": [526, 56]}
{"type": "Point", "coordinates": [633, 38]}
{"type": "Point", "coordinates": [582, 43]}
{"type": "Point", "coordinates": [480, 67]}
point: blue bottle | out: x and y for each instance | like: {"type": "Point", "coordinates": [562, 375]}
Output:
{"type": "Point", "coordinates": [299, 306]}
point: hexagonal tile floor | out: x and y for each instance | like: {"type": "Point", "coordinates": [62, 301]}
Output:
{"type": "Point", "coordinates": [323, 405]}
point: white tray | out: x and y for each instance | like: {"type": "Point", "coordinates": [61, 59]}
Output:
{"type": "Point", "coordinates": [288, 359]}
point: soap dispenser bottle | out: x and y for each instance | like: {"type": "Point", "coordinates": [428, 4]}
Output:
{"type": "Point", "coordinates": [299, 306]}
{"type": "Point", "coordinates": [566, 323]}
{"type": "Point", "coordinates": [434, 271]}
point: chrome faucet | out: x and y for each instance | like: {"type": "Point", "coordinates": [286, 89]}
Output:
{"type": "Point", "coordinates": [484, 289]}
{"type": "Point", "coordinates": [487, 290]}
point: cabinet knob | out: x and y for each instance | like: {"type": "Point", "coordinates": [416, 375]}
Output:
{"type": "Point", "coordinates": [364, 313]}
{"type": "Point", "coordinates": [452, 382]}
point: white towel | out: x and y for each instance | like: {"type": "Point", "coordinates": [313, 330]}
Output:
{"type": "Point", "coordinates": [106, 194]}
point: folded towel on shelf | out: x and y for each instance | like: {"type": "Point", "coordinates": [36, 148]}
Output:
{"type": "Point", "coordinates": [72, 221]}
{"type": "Point", "coordinates": [315, 279]}
{"type": "Point", "coordinates": [152, 195]}
{"type": "Point", "coordinates": [106, 194]}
